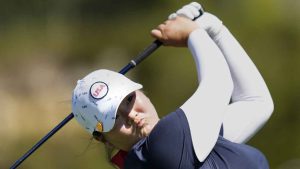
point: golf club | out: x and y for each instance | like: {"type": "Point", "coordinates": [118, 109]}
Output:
{"type": "Point", "coordinates": [133, 63]}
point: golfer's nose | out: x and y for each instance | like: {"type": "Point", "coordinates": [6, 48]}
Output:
{"type": "Point", "coordinates": [132, 114]}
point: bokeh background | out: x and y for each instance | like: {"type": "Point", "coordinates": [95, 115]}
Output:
{"type": "Point", "coordinates": [45, 46]}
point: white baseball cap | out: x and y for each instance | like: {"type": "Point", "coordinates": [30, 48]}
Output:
{"type": "Point", "coordinates": [97, 96]}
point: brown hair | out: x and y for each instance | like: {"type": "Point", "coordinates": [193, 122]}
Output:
{"type": "Point", "coordinates": [109, 149]}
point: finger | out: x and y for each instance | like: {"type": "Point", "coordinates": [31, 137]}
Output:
{"type": "Point", "coordinates": [185, 13]}
{"type": "Point", "coordinates": [156, 34]}
{"type": "Point", "coordinates": [193, 10]}
{"type": "Point", "coordinates": [172, 16]}
{"type": "Point", "coordinates": [196, 5]}
{"type": "Point", "coordinates": [164, 24]}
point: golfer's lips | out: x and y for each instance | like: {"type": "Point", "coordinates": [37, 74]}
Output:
{"type": "Point", "coordinates": [139, 122]}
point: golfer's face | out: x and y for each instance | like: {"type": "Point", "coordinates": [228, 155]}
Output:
{"type": "Point", "coordinates": [135, 119]}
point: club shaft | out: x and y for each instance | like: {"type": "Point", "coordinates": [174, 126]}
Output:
{"type": "Point", "coordinates": [142, 56]}
{"type": "Point", "coordinates": [133, 63]}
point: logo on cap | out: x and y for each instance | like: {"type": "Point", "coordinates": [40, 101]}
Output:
{"type": "Point", "coordinates": [99, 127]}
{"type": "Point", "coordinates": [99, 90]}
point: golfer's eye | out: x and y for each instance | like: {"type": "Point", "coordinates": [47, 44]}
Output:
{"type": "Point", "coordinates": [130, 99]}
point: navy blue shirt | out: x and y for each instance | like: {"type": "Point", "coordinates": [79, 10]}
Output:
{"type": "Point", "coordinates": [169, 146]}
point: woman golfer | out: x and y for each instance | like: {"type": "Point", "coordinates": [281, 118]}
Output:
{"type": "Point", "coordinates": [230, 104]}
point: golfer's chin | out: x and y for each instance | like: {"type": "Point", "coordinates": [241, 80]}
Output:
{"type": "Point", "coordinates": [146, 129]}
{"type": "Point", "coordinates": [140, 132]}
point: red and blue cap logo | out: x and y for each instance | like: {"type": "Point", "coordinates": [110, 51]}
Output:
{"type": "Point", "coordinates": [99, 90]}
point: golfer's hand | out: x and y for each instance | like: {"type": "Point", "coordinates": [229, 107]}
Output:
{"type": "Point", "coordinates": [191, 11]}
{"type": "Point", "coordinates": [207, 21]}
{"type": "Point", "coordinates": [174, 32]}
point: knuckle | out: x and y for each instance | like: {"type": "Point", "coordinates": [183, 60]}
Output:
{"type": "Point", "coordinates": [161, 27]}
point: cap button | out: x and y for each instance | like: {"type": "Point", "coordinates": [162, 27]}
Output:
{"type": "Point", "coordinates": [99, 127]}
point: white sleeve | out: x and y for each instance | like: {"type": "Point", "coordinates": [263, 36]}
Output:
{"type": "Point", "coordinates": [252, 104]}
{"type": "Point", "coordinates": [205, 108]}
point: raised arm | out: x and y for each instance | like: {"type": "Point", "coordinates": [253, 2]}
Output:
{"type": "Point", "coordinates": [251, 104]}
{"type": "Point", "coordinates": [205, 108]}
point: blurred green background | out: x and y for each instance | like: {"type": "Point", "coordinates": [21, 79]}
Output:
{"type": "Point", "coordinates": [45, 46]}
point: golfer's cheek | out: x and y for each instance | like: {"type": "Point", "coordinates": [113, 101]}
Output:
{"type": "Point", "coordinates": [119, 124]}
{"type": "Point", "coordinates": [126, 131]}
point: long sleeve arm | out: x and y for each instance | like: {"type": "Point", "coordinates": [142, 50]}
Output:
{"type": "Point", "coordinates": [205, 108]}
{"type": "Point", "coordinates": [252, 104]}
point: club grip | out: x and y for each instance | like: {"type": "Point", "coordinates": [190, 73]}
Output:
{"type": "Point", "coordinates": [141, 56]}
{"type": "Point", "coordinates": [147, 51]}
